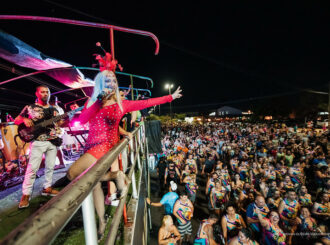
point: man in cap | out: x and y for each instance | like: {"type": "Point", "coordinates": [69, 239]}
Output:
{"type": "Point", "coordinates": [168, 200]}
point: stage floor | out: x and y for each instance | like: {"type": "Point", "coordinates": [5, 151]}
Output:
{"type": "Point", "coordinates": [10, 215]}
{"type": "Point", "coordinates": [11, 196]}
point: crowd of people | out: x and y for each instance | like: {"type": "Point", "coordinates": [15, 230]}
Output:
{"type": "Point", "coordinates": [261, 183]}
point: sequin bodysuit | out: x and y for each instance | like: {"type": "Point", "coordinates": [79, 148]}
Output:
{"type": "Point", "coordinates": [104, 122]}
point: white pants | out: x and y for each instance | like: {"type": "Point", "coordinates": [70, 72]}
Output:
{"type": "Point", "coordinates": [38, 148]}
{"type": "Point", "coordinates": [152, 161]}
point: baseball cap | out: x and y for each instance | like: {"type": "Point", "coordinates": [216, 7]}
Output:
{"type": "Point", "coordinates": [173, 185]}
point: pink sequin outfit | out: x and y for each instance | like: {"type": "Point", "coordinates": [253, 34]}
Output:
{"type": "Point", "coordinates": [104, 122]}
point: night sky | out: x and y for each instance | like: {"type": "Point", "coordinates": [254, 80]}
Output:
{"type": "Point", "coordinates": [218, 53]}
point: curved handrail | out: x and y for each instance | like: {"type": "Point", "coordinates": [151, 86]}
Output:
{"type": "Point", "coordinates": [33, 74]}
{"type": "Point", "coordinates": [137, 76]}
{"type": "Point", "coordinates": [83, 23]}
{"type": "Point", "coordinates": [29, 76]}
{"type": "Point", "coordinates": [137, 89]}
{"type": "Point", "coordinates": [118, 72]}
{"type": "Point", "coordinates": [72, 67]}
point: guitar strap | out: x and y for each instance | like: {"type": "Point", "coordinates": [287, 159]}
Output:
{"type": "Point", "coordinates": [49, 112]}
{"type": "Point", "coordinates": [57, 141]}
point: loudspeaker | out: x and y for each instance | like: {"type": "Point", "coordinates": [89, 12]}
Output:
{"type": "Point", "coordinates": [153, 132]}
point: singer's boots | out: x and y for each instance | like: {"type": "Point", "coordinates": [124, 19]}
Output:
{"type": "Point", "coordinates": [121, 181]}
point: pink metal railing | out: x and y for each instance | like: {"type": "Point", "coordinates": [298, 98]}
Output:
{"type": "Point", "coordinates": [85, 23]}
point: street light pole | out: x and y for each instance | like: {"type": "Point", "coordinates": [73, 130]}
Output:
{"type": "Point", "coordinates": [169, 86]}
{"type": "Point", "coordinates": [328, 111]}
{"type": "Point", "coordinates": [169, 92]}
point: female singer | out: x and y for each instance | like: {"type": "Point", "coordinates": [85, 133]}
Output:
{"type": "Point", "coordinates": [104, 111]}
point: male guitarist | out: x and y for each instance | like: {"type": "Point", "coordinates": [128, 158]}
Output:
{"type": "Point", "coordinates": [31, 115]}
